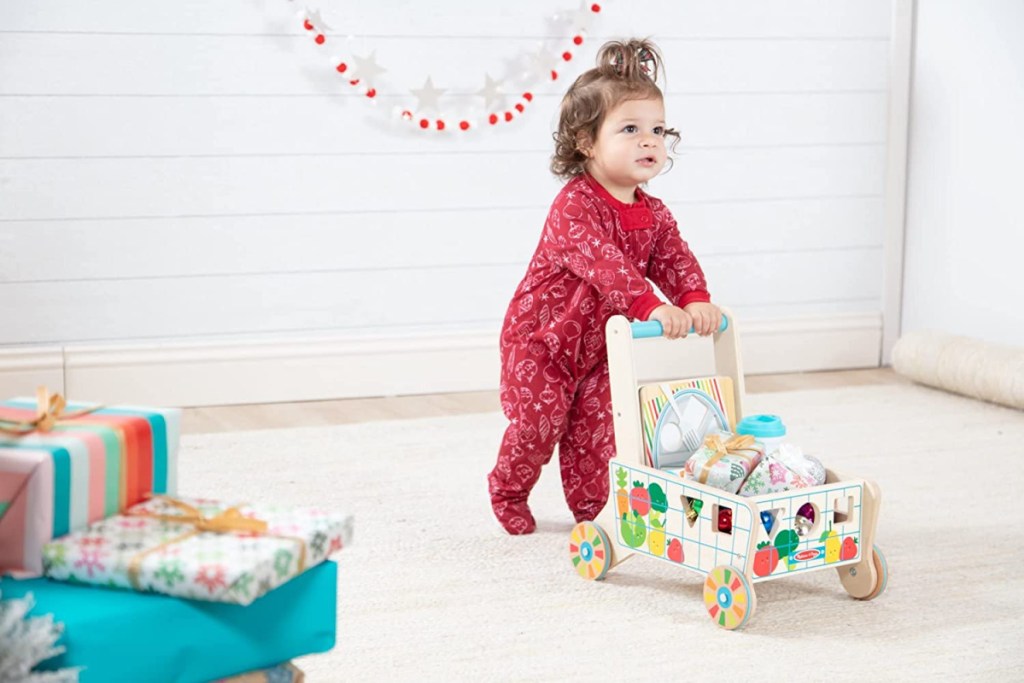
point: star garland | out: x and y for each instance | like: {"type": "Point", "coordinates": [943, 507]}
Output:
{"type": "Point", "coordinates": [363, 73]}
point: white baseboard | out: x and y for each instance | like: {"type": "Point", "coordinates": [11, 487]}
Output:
{"type": "Point", "coordinates": [22, 369]}
{"type": "Point", "coordinates": [838, 342]}
{"type": "Point", "coordinates": [275, 371]}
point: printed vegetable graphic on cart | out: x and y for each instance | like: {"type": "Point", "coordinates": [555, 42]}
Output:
{"type": "Point", "coordinates": [621, 494]}
{"type": "Point", "coordinates": [639, 499]}
{"type": "Point", "coordinates": [786, 543]}
{"type": "Point", "coordinates": [634, 530]}
{"type": "Point", "coordinates": [659, 506]}
{"type": "Point", "coordinates": [766, 559]}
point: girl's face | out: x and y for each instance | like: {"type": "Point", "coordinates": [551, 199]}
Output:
{"type": "Point", "coordinates": [630, 147]}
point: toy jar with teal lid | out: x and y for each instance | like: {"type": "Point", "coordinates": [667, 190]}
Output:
{"type": "Point", "coordinates": [768, 429]}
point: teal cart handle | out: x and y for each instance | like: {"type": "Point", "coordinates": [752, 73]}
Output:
{"type": "Point", "coordinates": [652, 328]}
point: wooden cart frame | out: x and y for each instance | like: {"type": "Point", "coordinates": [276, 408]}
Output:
{"type": "Point", "coordinates": [765, 540]}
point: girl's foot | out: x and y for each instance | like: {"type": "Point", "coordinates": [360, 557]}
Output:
{"type": "Point", "coordinates": [587, 511]}
{"type": "Point", "coordinates": [513, 515]}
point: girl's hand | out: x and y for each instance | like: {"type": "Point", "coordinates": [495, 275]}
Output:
{"type": "Point", "coordinates": [707, 317]}
{"type": "Point", "coordinates": [675, 322]}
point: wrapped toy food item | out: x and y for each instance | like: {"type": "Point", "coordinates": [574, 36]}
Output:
{"type": "Point", "coordinates": [784, 469]}
{"type": "Point", "coordinates": [724, 461]}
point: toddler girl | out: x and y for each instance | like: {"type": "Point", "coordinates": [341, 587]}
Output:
{"type": "Point", "coordinates": [603, 238]}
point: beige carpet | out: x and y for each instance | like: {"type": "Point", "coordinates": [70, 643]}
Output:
{"type": "Point", "coordinates": [432, 590]}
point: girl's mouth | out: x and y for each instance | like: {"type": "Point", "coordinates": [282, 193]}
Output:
{"type": "Point", "coordinates": [647, 161]}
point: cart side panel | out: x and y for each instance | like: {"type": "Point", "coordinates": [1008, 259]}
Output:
{"type": "Point", "coordinates": [834, 539]}
{"type": "Point", "coordinates": [657, 526]}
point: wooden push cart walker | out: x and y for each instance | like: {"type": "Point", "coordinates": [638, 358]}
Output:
{"type": "Point", "coordinates": [735, 541]}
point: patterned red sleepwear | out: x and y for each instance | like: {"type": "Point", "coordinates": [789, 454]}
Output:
{"type": "Point", "coordinates": [593, 261]}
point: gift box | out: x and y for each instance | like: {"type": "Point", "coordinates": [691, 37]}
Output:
{"type": "Point", "coordinates": [783, 469]}
{"type": "Point", "coordinates": [60, 471]}
{"type": "Point", "coordinates": [282, 673]}
{"type": "Point", "coordinates": [724, 461]}
{"type": "Point", "coordinates": [198, 549]}
{"type": "Point", "coordinates": [654, 401]}
{"type": "Point", "coordinates": [125, 636]}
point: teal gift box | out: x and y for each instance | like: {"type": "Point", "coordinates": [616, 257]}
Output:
{"type": "Point", "coordinates": [120, 635]}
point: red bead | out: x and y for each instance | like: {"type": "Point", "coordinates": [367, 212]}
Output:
{"type": "Point", "coordinates": [424, 123]}
{"type": "Point", "coordinates": [595, 8]}
{"type": "Point", "coordinates": [567, 56]}
{"type": "Point", "coordinates": [519, 107]}
{"type": "Point", "coordinates": [508, 116]}
{"type": "Point", "coordinates": [407, 115]}
{"type": "Point", "coordinates": [464, 125]}
{"type": "Point", "coordinates": [306, 25]}
{"type": "Point", "coordinates": [440, 124]}
{"type": "Point", "coordinates": [493, 118]}
{"type": "Point", "coordinates": [372, 92]}
{"type": "Point", "coordinates": [354, 81]}
{"type": "Point", "coordinates": [342, 68]}
{"type": "Point", "coordinates": [320, 39]}
{"type": "Point", "coordinates": [528, 96]}
{"type": "Point", "coordinates": [578, 40]}
{"type": "Point", "coordinates": [554, 75]}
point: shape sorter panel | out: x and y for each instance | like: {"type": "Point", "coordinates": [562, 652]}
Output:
{"type": "Point", "coordinates": [651, 519]}
{"type": "Point", "coordinates": [788, 541]}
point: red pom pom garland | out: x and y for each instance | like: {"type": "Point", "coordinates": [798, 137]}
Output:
{"type": "Point", "coordinates": [366, 70]}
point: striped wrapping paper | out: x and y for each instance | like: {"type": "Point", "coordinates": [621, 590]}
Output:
{"type": "Point", "coordinates": [83, 470]}
{"type": "Point", "coordinates": [653, 401]}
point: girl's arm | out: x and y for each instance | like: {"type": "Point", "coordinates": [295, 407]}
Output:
{"type": "Point", "coordinates": [672, 265]}
{"type": "Point", "coordinates": [575, 238]}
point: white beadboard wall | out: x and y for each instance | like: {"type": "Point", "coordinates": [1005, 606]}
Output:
{"type": "Point", "coordinates": [195, 209]}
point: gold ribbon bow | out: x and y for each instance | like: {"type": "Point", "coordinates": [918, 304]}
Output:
{"type": "Point", "coordinates": [49, 411]}
{"type": "Point", "coordinates": [734, 446]}
{"type": "Point", "coordinates": [228, 521]}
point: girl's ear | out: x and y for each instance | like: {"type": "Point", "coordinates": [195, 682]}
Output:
{"type": "Point", "coordinates": [584, 144]}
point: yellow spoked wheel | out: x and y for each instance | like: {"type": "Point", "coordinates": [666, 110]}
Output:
{"type": "Point", "coordinates": [589, 551]}
{"type": "Point", "coordinates": [728, 597]}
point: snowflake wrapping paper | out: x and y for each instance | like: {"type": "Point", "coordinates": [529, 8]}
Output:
{"type": "Point", "coordinates": [199, 549]}
{"type": "Point", "coordinates": [782, 470]}
{"type": "Point", "coordinates": [724, 461]}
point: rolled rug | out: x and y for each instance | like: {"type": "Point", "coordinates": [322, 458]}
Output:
{"type": "Point", "coordinates": [972, 367]}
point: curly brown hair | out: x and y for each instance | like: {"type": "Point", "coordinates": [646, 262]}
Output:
{"type": "Point", "coordinates": [626, 70]}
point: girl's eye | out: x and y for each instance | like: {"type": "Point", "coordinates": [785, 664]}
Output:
{"type": "Point", "coordinates": [630, 128]}
{"type": "Point", "coordinates": [659, 130]}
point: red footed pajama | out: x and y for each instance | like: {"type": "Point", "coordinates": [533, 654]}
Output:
{"type": "Point", "coordinates": [547, 407]}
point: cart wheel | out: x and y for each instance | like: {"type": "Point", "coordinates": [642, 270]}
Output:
{"type": "Point", "coordinates": [589, 551]}
{"type": "Point", "coordinates": [860, 582]}
{"type": "Point", "coordinates": [882, 569]}
{"type": "Point", "coordinates": [729, 597]}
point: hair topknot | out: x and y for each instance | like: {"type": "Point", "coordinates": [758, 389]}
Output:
{"type": "Point", "coordinates": [626, 70]}
{"type": "Point", "coordinates": [630, 60]}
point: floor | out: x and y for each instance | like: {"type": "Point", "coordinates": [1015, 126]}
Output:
{"type": "Point", "coordinates": [347, 411]}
